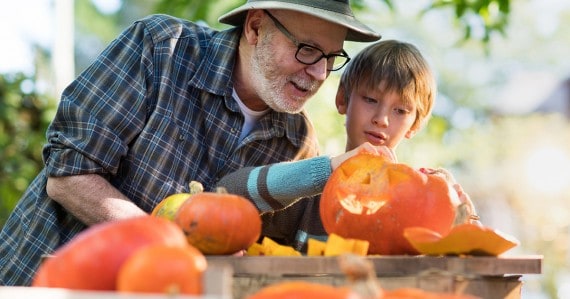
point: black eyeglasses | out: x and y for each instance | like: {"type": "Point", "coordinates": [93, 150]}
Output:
{"type": "Point", "coordinates": [307, 54]}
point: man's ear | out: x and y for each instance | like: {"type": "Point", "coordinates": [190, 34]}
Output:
{"type": "Point", "coordinates": [341, 105]}
{"type": "Point", "coordinates": [251, 25]}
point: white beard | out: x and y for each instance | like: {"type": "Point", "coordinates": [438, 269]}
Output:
{"type": "Point", "coordinates": [270, 84]}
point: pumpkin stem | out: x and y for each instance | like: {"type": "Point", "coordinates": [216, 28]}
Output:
{"type": "Point", "coordinates": [361, 275]}
{"type": "Point", "coordinates": [196, 187]}
{"type": "Point", "coordinates": [221, 190]}
{"type": "Point", "coordinates": [173, 290]}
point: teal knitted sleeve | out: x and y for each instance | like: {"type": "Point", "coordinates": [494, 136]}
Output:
{"type": "Point", "coordinates": [276, 186]}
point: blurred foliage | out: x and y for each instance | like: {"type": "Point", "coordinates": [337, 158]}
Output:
{"type": "Point", "coordinates": [491, 15]}
{"type": "Point", "coordinates": [24, 117]}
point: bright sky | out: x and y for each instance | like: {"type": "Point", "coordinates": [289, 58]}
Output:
{"type": "Point", "coordinates": [26, 22]}
{"type": "Point", "coordinates": [22, 23]}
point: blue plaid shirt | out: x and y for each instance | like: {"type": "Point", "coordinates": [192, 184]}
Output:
{"type": "Point", "coordinates": [153, 112]}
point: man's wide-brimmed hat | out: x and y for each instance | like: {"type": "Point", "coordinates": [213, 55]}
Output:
{"type": "Point", "coordinates": [335, 11]}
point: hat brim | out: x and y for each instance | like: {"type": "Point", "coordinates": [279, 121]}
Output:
{"type": "Point", "coordinates": [356, 30]}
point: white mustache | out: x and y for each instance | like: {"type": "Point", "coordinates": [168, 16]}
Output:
{"type": "Point", "coordinates": [306, 84]}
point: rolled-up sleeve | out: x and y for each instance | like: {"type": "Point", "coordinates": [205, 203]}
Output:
{"type": "Point", "coordinates": [103, 109]}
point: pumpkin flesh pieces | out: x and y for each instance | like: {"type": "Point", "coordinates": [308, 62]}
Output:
{"type": "Point", "coordinates": [468, 239]}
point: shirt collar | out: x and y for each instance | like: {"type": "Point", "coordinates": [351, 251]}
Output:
{"type": "Point", "coordinates": [214, 75]}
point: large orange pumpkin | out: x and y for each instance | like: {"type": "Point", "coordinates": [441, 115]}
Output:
{"type": "Point", "coordinates": [219, 223]}
{"type": "Point", "coordinates": [91, 260]}
{"type": "Point", "coordinates": [370, 198]}
{"type": "Point", "coordinates": [163, 269]}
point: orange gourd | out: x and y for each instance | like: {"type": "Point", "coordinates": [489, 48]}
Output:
{"type": "Point", "coordinates": [91, 260]}
{"type": "Point", "coordinates": [370, 198]}
{"type": "Point", "coordinates": [163, 269]}
{"type": "Point", "coordinates": [302, 290]}
{"type": "Point", "coordinates": [469, 239]}
{"type": "Point", "coordinates": [218, 223]}
{"type": "Point", "coordinates": [414, 293]}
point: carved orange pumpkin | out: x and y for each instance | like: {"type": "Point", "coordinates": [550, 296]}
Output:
{"type": "Point", "coordinates": [163, 269]}
{"type": "Point", "coordinates": [91, 261]}
{"type": "Point", "coordinates": [219, 223]}
{"type": "Point", "coordinates": [371, 198]}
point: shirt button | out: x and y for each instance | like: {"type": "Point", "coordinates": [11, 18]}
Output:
{"type": "Point", "coordinates": [181, 137]}
{"type": "Point", "coordinates": [233, 130]}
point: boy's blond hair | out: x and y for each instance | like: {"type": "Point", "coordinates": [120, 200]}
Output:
{"type": "Point", "coordinates": [394, 66]}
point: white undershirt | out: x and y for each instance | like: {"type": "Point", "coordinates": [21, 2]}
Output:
{"type": "Point", "coordinates": [250, 116]}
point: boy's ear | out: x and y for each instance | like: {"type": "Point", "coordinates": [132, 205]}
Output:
{"type": "Point", "coordinates": [412, 132]}
{"type": "Point", "coordinates": [341, 105]}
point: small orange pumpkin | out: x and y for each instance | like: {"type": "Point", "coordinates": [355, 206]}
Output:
{"type": "Point", "coordinates": [91, 260]}
{"type": "Point", "coordinates": [370, 198]}
{"type": "Point", "coordinates": [219, 223]}
{"type": "Point", "coordinates": [163, 269]}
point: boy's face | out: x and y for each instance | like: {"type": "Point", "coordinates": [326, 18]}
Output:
{"type": "Point", "coordinates": [376, 116]}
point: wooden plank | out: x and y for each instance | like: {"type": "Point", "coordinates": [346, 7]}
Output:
{"type": "Point", "coordinates": [384, 265]}
{"type": "Point", "coordinates": [485, 287]}
{"type": "Point", "coordinates": [218, 283]}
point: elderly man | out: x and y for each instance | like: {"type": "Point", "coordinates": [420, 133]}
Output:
{"type": "Point", "coordinates": [170, 101]}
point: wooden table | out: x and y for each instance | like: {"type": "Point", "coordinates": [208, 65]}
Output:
{"type": "Point", "coordinates": [486, 277]}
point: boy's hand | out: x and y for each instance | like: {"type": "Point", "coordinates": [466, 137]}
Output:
{"type": "Point", "coordinates": [367, 148]}
{"type": "Point", "coordinates": [466, 205]}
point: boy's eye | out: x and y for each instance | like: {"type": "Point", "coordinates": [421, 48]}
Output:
{"type": "Point", "coordinates": [402, 111]}
{"type": "Point", "coordinates": [370, 100]}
